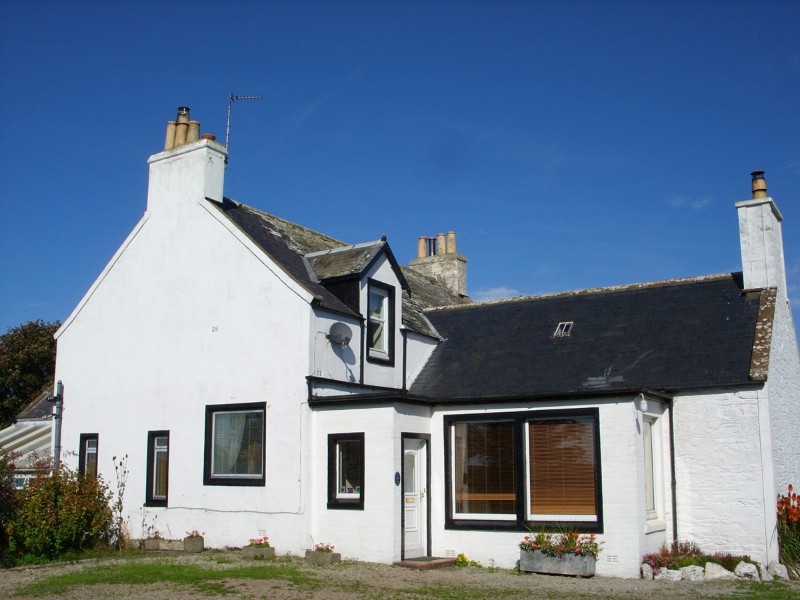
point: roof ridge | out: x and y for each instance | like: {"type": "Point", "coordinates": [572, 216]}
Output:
{"type": "Point", "coordinates": [587, 291]}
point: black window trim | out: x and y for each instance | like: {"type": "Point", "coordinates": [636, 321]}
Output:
{"type": "Point", "coordinates": [390, 324]}
{"type": "Point", "coordinates": [151, 441]}
{"type": "Point", "coordinates": [85, 437]}
{"type": "Point", "coordinates": [520, 418]}
{"type": "Point", "coordinates": [208, 479]}
{"type": "Point", "coordinates": [333, 501]}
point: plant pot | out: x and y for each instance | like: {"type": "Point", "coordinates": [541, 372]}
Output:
{"type": "Point", "coordinates": [151, 544]}
{"type": "Point", "coordinates": [251, 552]}
{"type": "Point", "coordinates": [193, 544]}
{"type": "Point", "coordinates": [576, 565]}
{"type": "Point", "coordinates": [323, 558]}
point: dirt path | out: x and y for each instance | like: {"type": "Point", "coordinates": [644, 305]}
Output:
{"type": "Point", "coordinates": [360, 580]}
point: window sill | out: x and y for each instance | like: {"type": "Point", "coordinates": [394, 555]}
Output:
{"type": "Point", "coordinates": [654, 525]}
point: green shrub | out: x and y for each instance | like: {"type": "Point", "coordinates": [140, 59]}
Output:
{"type": "Point", "coordinates": [57, 513]}
{"type": "Point", "coordinates": [7, 501]}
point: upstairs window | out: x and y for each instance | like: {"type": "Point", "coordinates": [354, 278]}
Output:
{"type": "Point", "coordinates": [380, 322]}
{"type": "Point", "coordinates": [87, 459]}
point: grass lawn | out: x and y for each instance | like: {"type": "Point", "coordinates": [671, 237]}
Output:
{"type": "Point", "coordinates": [216, 573]}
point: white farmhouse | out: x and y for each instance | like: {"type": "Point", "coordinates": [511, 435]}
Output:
{"type": "Point", "coordinates": [263, 378]}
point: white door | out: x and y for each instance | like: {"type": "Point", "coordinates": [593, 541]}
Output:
{"type": "Point", "coordinates": [414, 501]}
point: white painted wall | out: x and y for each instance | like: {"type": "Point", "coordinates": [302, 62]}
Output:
{"type": "Point", "coordinates": [331, 360]}
{"type": "Point", "coordinates": [724, 479]}
{"type": "Point", "coordinates": [170, 328]}
{"type": "Point", "coordinates": [784, 398]}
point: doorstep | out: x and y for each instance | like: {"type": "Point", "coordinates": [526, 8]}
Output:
{"type": "Point", "coordinates": [424, 563]}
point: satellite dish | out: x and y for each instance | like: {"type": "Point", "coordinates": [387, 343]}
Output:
{"type": "Point", "coordinates": [340, 334]}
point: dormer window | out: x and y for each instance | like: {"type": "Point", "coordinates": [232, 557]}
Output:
{"type": "Point", "coordinates": [380, 322]}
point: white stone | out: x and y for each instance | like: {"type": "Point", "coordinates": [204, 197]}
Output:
{"type": "Point", "coordinates": [765, 574]}
{"type": "Point", "coordinates": [668, 575]}
{"type": "Point", "coordinates": [692, 573]}
{"type": "Point", "coordinates": [647, 571]}
{"type": "Point", "coordinates": [776, 569]}
{"type": "Point", "coordinates": [747, 570]}
{"type": "Point", "coordinates": [714, 572]}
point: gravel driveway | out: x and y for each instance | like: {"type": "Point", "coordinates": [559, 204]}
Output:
{"type": "Point", "coordinates": [362, 580]}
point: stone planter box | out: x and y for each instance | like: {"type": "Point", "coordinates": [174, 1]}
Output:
{"type": "Point", "coordinates": [575, 565]}
{"type": "Point", "coordinates": [251, 552]}
{"type": "Point", "coordinates": [323, 558]}
{"type": "Point", "coordinates": [193, 544]}
{"type": "Point", "coordinates": [151, 544]}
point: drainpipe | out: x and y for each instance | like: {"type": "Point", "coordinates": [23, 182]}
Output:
{"type": "Point", "coordinates": [673, 481]}
{"type": "Point", "coordinates": [58, 409]}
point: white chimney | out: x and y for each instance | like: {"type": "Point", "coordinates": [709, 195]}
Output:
{"type": "Point", "coordinates": [761, 239]}
{"type": "Point", "coordinates": [188, 168]}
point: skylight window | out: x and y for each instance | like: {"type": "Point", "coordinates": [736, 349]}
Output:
{"type": "Point", "coordinates": [563, 329]}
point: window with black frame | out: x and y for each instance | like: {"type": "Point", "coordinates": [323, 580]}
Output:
{"type": "Point", "coordinates": [234, 448]}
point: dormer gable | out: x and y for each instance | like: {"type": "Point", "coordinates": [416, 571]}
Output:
{"type": "Point", "coordinates": [342, 270]}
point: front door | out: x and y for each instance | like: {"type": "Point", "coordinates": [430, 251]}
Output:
{"type": "Point", "coordinates": [415, 503]}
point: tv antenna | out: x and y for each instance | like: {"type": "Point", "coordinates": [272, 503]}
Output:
{"type": "Point", "coordinates": [231, 99]}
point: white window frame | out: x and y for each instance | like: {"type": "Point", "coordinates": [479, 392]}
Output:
{"type": "Point", "coordinates": [383, 320]}
{"type": "Point", "coordinates": [533, 517]}
{"type": "Point", "coordinates": [453, 497]}
{"type": "Point", "coordinates": [653, 470]}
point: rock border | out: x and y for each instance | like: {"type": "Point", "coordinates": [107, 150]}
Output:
{"type": "Point", "coordinates": [714, 572]}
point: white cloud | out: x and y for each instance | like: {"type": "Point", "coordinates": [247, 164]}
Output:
{"type": "Point", "coordinates": [690, 203]}
{"type": "Point", "coordinates": [494, 293]}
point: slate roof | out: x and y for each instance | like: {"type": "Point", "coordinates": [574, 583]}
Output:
{"type": "Point", "coordinates": [288, 244]}
{"type": "Point", "coordinates": [668, 336]}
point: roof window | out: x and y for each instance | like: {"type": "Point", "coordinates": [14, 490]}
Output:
{"type": "Point", "coordinates": [563, 329]}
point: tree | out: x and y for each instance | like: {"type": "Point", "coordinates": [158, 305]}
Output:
{"type": "Point", "coordinates": [27, 362]}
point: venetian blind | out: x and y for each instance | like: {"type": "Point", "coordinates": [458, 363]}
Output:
{"type": "Point", "coordinates": [562, 467]}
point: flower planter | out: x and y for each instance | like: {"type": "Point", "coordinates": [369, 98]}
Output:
{"type": "Point", "coordinates": [323, 558]}
{"type": "Point", "coordinates": [577, 565]}
{"type": "Point", "coordinates": [253, 552]}
{"type": "Point", "coordinates": [193, 544]}
{"type": "Point", "coordinates": [151, 544]}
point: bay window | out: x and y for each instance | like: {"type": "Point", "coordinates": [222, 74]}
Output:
{"type": "Point", "coordinates": [532, 468]}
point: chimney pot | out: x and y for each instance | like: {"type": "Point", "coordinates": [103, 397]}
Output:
{"type": "Point", "coordinates": [209, 136]}
{"type": "Point", "coordinates": [194, 131]}
{"type": "Point", "coordinates": [759, 184]}
{"type": "Point", "coordinates": [169, 141]}
{"type": "Point", "coordinates": [441, 244]}
{"type": "Point", "coordinates": [451, 242]}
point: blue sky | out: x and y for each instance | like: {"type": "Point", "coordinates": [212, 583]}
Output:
{"type": "Point", "coordinates": [569, 144]}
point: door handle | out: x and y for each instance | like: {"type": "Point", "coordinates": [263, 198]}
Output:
{"type": "Point", "coordinates": [422, 494]}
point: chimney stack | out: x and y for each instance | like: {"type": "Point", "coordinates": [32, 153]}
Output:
{"type": "Point", "coordinates": [761, 240]}
{"type": "Point", "coordinates": [437, 258]}
{"type": "Point", "coordinates": [191, 167]}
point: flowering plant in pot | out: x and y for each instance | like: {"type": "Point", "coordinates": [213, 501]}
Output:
{"type": "Point", "coordinates": [259, 547]}
{"type": "Point", "coordinates": [194, 541]}
{"type": "Point", "coordinates": [562, 553]}
{"type": "Point", "coordinates": [323, 554]}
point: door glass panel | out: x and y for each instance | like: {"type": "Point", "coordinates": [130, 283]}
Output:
{"type": "Point", "coordinates": [410, 474]}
